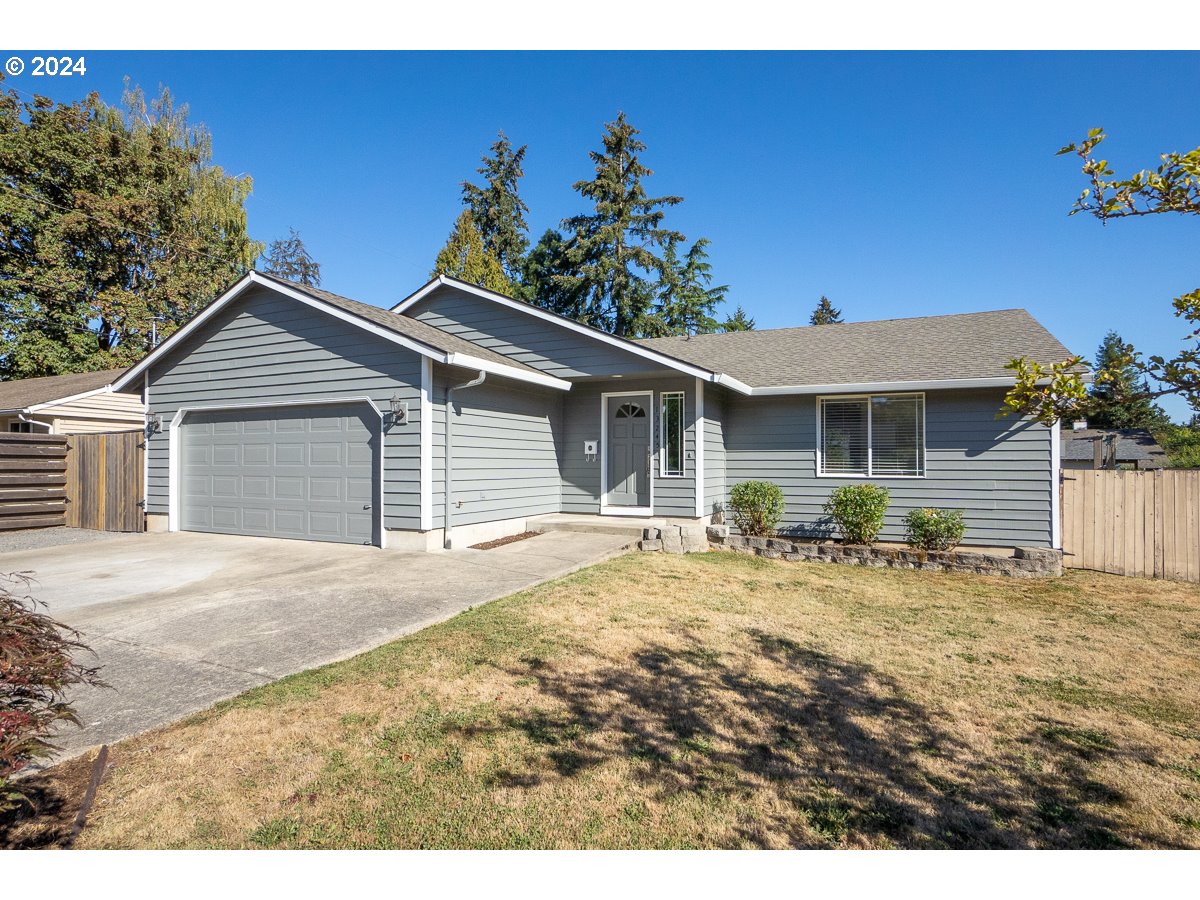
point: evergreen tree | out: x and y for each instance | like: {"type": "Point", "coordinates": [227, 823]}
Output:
{"type": "Point", "coordinates": [543, 277]}
{"type": "Point", "coordinates": [289, 258]}
{"type": "Point", "coordinates": [825, 314]}
{"type": "Point", "coordinates": [1120, 396]}
{"type": "Point", "coordinates": [111, 220]}
{"type": "Point", "coordinates": [497, 208]}
{"type": "Point", "coordinates": [685, 301]}
{"type": "Point", "coordinates": [612, 249]}
{"type": "Point", "coordinates": [739, 321]}
{"type": "Point", "coordinates": [465, 258]}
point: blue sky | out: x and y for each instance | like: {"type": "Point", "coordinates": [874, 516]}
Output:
{"type": "Point", "coordinates": [898, 184]}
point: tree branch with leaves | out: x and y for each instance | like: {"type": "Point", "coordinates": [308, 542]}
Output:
{"type": "Point", "coordinates": [1057, 392]}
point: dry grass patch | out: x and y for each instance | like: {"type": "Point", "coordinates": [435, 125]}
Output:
{"type": "Point", "coordinates": [711, 701]}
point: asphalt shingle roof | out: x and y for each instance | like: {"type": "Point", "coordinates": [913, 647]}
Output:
{"type": "Point", "coordinates": [409, 327]}
{"type": "Point", "coordinates": [1132, 444]}
{"type": "Point", "coordinates": [27, 392]}
{"type": "Point", "coordinates": [967, 345]}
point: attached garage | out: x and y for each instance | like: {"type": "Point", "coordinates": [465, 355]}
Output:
{"type": "Point", "coordinates": [307, 472]}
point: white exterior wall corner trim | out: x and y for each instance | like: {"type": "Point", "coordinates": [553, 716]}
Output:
{"type": "Point", "coordinates": [701, 436]}
{"type": "Point", "coordinates": [426, 443]}
{"type": "Point", "coordinates": [253, 278]}
{"type": "Point", "coordinates": [1056, 485]}
{"type": "Point", "coordinates": [605, 509]}
{"type": "Point", "coordinates": [174, 451]}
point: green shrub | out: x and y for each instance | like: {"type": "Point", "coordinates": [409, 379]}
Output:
{"type": "Point", "coordinates": [757, 507]}
{"type": "Point", "coordinates": [857, 510]}
{"type": "Point", "coordinates": [934, 529]}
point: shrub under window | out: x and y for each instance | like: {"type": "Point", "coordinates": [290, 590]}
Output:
{"type": "Point", "coordinates": [880, 435]}
{"type": "Point", "coordinates": [934, 529]}
{"type": "Point", "coordinates": [757, 507]}
{"type": "Point", "coordinates": [857, 510]}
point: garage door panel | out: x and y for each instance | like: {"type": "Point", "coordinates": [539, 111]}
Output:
{"type": "Point", "coordinates": [296, 472]}
{"type": "Point", "coordinates": [256, 487]}
{"type": "Point", "coordinates": [289, 488]}
{"type": "Point", "coordinates": [224, 486]}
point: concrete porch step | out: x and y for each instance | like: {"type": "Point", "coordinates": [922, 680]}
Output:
{"type": "Point", "coordinates": [624, 529]}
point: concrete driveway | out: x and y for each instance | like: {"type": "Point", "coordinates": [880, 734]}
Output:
{"type": "Point", "coordinates": [180, 621]}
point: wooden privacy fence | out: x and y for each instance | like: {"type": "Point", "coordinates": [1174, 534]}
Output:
{"type": "Point", "coordinates": [1133, 523]}
{"type": "Point", "coordinates": [104, 481]}
{"type": "Point", "coordinates": [32, 480]}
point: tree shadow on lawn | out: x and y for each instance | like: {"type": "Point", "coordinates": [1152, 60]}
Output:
{"type": "Point", "coordinates": [819, 751]}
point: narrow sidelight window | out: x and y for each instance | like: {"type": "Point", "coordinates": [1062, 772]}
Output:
{"type": "Point", "coordinates": [877, 436]}
{"type": "Point", "coordinates": [671, 455]}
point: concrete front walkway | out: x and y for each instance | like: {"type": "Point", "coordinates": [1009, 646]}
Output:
{"type": "Point", "coordinates": [180, 621]}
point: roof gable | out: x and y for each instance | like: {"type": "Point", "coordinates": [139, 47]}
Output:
{"type": "Point", "coordinates": [543, 339]}
{"type": "Point", "coordinates": [416, 336]}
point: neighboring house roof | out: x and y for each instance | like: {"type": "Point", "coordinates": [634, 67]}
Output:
{"type": "Point", "coordinates": [1133, 444]}
{"type": "Point", "coordinates": [417, 336]}
{"type": "Point", "coordinates": [28, 392]}
{"type": "Point", "coordinates": [969, 347]}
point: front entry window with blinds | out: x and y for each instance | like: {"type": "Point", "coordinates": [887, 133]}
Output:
{"type": "Point", "coordinates": [877, 436]}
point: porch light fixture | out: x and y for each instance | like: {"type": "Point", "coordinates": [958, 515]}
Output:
{"type": "Point", "coordinates": [399, 411]}
{"type": "Point", "coordinates": [153, 424]}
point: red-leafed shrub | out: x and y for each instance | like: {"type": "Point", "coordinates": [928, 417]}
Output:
{"type": "Point", "coordinates": [37, 667]}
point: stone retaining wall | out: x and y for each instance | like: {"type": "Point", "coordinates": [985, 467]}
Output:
{"type": "Point", "coordinates": [1026, 562]}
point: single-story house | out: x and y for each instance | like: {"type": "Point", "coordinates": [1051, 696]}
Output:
{"type": "Point", "coordinates": [82, 403]}
{"type": "Point", "coordinates": [1133, 448]}
{"type": "Point", "coordinates": [459, 414]}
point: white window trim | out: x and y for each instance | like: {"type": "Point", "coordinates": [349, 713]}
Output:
{"type": "Point", "coordinates": [662, 437]}
{"type": "Point", "coordinates": [605, 509]}
{"type": "Point", "coordinates": [870, 440]}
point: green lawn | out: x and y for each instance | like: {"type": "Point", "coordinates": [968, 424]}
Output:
{"type": "Point", "coordinates": [710, 701]}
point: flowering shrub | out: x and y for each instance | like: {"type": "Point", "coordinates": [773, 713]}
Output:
{"type": "Point", "coordinates": [757, 507]}
{"type": "Point", "coordinates": [934, 529]}
{"type": "Point", "coordinates": [857, 510]}
{"type": "Point", "coordinates": [36, 670]}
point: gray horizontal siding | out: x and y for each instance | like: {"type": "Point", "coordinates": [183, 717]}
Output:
{"type": "Point", "coordinates": [266, 347]}
{"type": "Point", "coordinates": [549, 347]}
{"type": "Point", "coordinates": [506, 450]}
{"type": "Point", "coordinates": [714, 448]}
{"type": "Point", "coordinates": [997, 471]}
{"type": "Point", "coordinates": [581, 422]}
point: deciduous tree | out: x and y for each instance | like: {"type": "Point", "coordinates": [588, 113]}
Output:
{"type": "Point", "coordinates": [110, 220]}
{"type": "Point", "coordinates": [1172, 187]}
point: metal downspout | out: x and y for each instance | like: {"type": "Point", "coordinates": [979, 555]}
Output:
{"type": "Point", "coordinates": [448, 523]}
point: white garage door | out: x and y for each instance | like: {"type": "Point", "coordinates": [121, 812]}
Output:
{"type": "Point", "coordinates": [304, 472]}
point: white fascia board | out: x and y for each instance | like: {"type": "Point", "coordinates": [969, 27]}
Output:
{"type": "Point", "coordinates": [107, 389]}
{"type": "Point", "coordinates": [252, 278]}
{"type": "Point", "coordinates": [730, 382]}
{"type": "Point", "coordinates": [530, 310]}
{"type": "Point", "coordinates": [493, 368]}
{"type": "Point", "coordinates": [869, 386]}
